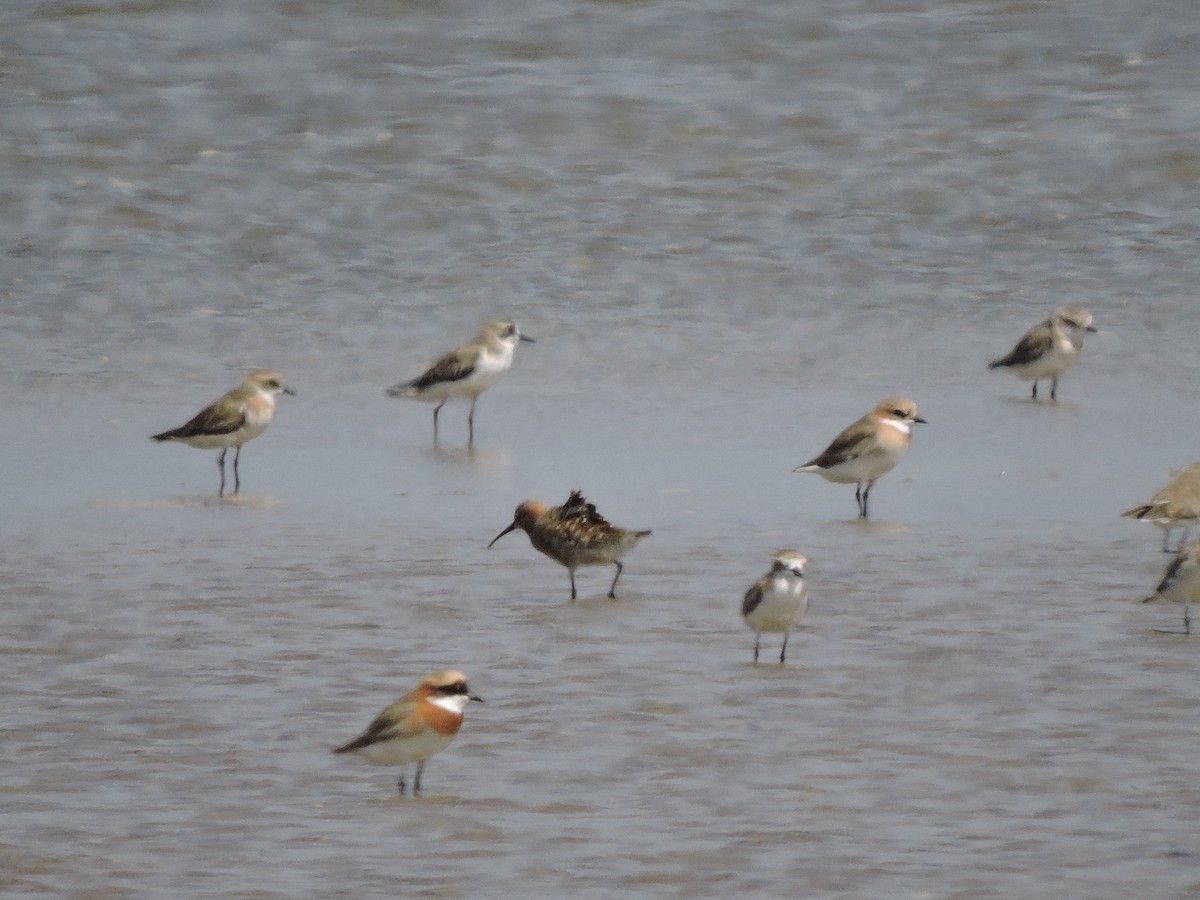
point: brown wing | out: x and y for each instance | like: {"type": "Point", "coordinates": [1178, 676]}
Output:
{"type": "Point", "coordinates": [387, 725]}
{"type": "Point", "coordinates": [1034, 344]}
{"type": "Point", "coordinates": [753, 597]}
{"type": "Point", "coordinates": [1171, 575]}
{"type": "Point", "coordinates": [845, 447]}
{"type": "Point", "coordinates": [451, 367]}
{"type": "Point", "coordinates": [216, 419]}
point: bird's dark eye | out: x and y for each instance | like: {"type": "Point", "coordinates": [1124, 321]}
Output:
{"type": "Point", "coordinates": [899, 413]}
{"type": "Point", "coordinates": [510, 330]}
{"type": "Point", "coordinates": [798, 572]}
{"type": "Point", "coordinates": [459, 687]}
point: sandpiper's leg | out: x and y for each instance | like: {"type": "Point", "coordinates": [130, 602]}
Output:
{"type": "Point", "coordinates": [1187, 617]}
{"type": "Point", "coordinates": [757, 635]}
{"type": "Point", "coordinates": [471, 422]}
{"type": "Point", "coordinates": [417, 780]}
{"type": "Point", "coordinates": [221, 469]}
{"type": "Point", "coordinates": [400, 784]}
{"type": "Point", "coordinates": [783, 651]}
{"type": "Point", "coordinates": [1054, 388]}
{"type": "Point", "coordinates": [612, 591]}
{"type": "Point", "coordinates": [237, 481]}
{"type": "Point", "coordinates": [437, 409]}
{"type": "Point", "coordinates": [858, 499]}
{"type": "Point", "coordinates": [571, 574]}
{"type": "Point", "coordinates": [866, 494]}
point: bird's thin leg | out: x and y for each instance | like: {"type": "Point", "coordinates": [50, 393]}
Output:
{"type": "Point", "coordinates": [866, 494]}
{"type": "Point", "coordinates": [1183, 541]}
{"type": "Point", "coordinates": [471, 423]}
{"type": "Point", "coordinates": [1187, 617]}
{"type": "Point", "coordinates": [437, 409]}
{"type": "Point", "coordinates": [1166, 539]}
{"type": "Point", "coordinates": [571, 575]}
{"type": "Point", "coordinates": [1035, 389]}
{"type": "Point", "coordinates": [417, 780]}
{"type": "Point", "coordinates": [237, 481]}
{"type": "Point", "coordinates": [783, 651]}
{"type": "Point", "coordinates": [612, 591]}
{"type": "Point", "coordinates": [1054, 388]}
{"type": "Point", "coordinates": [221, 469]}
{"type": "Point", "coordinates": [859, 500]}
{"type": "Point", "coordinates": [400, 783]}
{"type": "Point", "coordinates": [757, 635]}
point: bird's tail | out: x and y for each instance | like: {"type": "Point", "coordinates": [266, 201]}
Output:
{"type": "Point", "coordinates": [403, 389]}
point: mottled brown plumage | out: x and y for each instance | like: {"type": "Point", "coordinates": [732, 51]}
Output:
{"type": "Point", "coordinates": [574, 535]}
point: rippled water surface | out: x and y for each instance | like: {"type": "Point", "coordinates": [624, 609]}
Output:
{"type": "Point", "coordinates": [731, 228]}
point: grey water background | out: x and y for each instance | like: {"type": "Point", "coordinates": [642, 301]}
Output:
{"type": "Point", "coordinates": [732, 228]}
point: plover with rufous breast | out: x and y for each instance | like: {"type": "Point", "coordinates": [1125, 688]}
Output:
{"type": "Point", "coordinates": [868, 449]}
{"type": "Point", "coordinates": [421, 723]}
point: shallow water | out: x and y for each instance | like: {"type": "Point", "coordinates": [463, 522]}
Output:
{"type": "Point", "coordinates": [732, 229]}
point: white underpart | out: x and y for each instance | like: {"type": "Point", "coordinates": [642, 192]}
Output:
{"type": "Point", "coordinates": [782, 606]}
{"type": "Point", "coordinates": [400, 751]}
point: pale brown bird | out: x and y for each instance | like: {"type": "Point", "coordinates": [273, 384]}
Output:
{"type": "Point", "coordinates": [421, 723]}
{"type": "Point", "coordinates": [574, 535]}
{"type": "Point", "coordinates": [1175, 505]}
{"type": "Point", "coordinates": [466, 371]}
{"type": "Point", "coordinates": [230, 421]}
{"type": "Point", "coordinates": [868, 449]}
{"type": "Point", "coordinates": [1048, 348]}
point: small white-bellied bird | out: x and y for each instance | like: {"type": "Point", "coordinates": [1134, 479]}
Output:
{"type": "Point", "coordinates": [465, 372]}
{"type": "Point", "coordinates": [421, 723]}
{"type": "Point", "coordinates": [778, 600]}
{"type": "Point", "coordinates": [1181, 582]}
{"type": "Point", "coordinates": [868, 449]}
{"type": "Point", "coordinates": [1048, 348]}
{"type": "Point", "coordinates": [574, 535]}
{"type": "Point", "coordinates": [240, 416]}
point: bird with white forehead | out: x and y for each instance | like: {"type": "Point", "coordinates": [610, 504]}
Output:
{"type": "Point", "coordinates": [421, 723]}
{"type": "Point", "coordinates": [1049, 348]}
{"type": "Point", "coordinates": [465, 372]}
{"type": "Point", "coordinates": [230, 421]}
{"type": "Point", "coordinates": [778, 600]}
{"type": "Point", "coordinates": [868, 449]}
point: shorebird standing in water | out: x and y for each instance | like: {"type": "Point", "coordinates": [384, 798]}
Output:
{"type": "Point", "coordinates": [868, 449]}
{"type": "Point", "coordinates": [421, 723]}
{"type": "Point", "coordinates": [778, 600]}
{"type": "Point", "coordinates": [574, 535]}
{"type": "Point", "coordinates": [1049, 348]}
{"type": "Point", "coordinates": [1176, 505]}
{"type": "Point", "coordinates": [466, 372]}
{"type": "Point", "coordinates": [240, 416]}
{"type": "Point", "coordinates": [1181, 582]}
